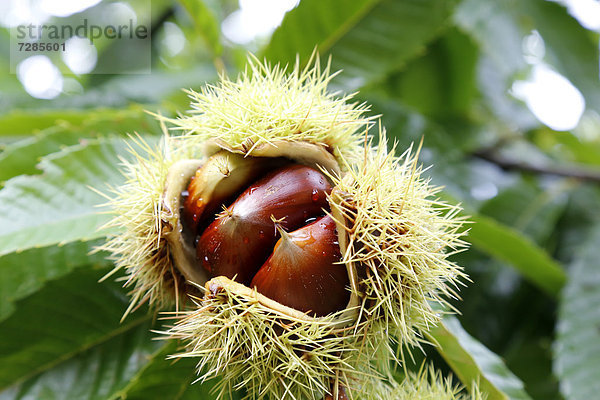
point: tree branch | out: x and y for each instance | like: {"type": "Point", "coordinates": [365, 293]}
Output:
{"type": "Point", "coordinates": [162, 18]}
{"type": "Point", "coordinates": [569, 171]}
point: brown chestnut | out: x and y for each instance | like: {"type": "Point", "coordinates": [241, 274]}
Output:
{"type": "Point", "coordinates": [341, 394]}
{"type": "Point", "coordinates": [239, 241]}
{"type": "Point", "coordinates": [304, 270]}
{"type": "Point", "coordinates": [218, 181]}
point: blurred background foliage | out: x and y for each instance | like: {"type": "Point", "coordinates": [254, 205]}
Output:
{"type": "Point", "coordinates": [505, 93]}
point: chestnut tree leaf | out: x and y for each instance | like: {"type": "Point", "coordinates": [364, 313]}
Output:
{"type": "Point", "coordinates": [474, 363]}
{"type": "Point", "coordinates": [58, 340]}
{"type": "Point", "coordinates": [67, 342]}
{"type": "Point", "coordinates": [315, 24]}
{"type": "Point", "coordinates": [23, 156]}
{"type": "Point", "coordinates": [577, 345]}
{"type": "Point", "coordinates": [59, 205]}
{"type": "Point", "coordinates": [393, 33]}
{"type": "Point", "coordinates": [507, 244]}
{"type": "Point", "coordinates": [164, 378]}
{"type": "Point", "coordinates": [24, 122]}
{"type": "Point", "coordinates": [97, 373]}
{"type": "Point", "coordinates": [24, 273]}
{"type": "Point", "coordinates": [368, 39]}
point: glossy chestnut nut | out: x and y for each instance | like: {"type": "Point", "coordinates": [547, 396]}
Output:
{"type": "Point", "coordinates": [218, 182]}
{"type": "Point", "coordinates": [341, 394]}
{"type": "Point", "coordinates": [239, 241]}
{"type": "Point", "coordinates": [304, 270]}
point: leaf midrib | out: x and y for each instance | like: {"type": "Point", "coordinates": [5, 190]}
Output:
{"type": "Point", "coordinates": [102, 339]}
{"type": "Point", "coordinates": [347, 26]}
{"type": "Point", "coordinates": [122, 393]}
{"type": "Point", "coordinates": [73, 218]}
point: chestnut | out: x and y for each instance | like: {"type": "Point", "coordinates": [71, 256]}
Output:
{"type": "Point", "coordinates": [241, 238]}
{"type": "Point", "coordinates": [304, 272]}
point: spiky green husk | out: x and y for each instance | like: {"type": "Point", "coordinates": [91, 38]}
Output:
{"type": "Point", "coordinates": [139, 247]}
{"type": "Point", "coordinates": [426, 384]}
{"type": "Point", "coordinates": [267, 104]}
{"type": "Point", "coordinates": [268, 353]}
{"type": "Point", "coordinates": [399, 233]}
{"type": "Point", "coordinates": [272, 356]}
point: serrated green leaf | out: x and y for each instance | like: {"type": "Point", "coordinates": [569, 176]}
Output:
{"type": "Point", "coordinates": [25, 123]}
{"type": "Point", "coordinates": [68, 318]}
{"type": "Point", "coordinates": [368, 39]}
{"type": "Point", "coordinates": [577, 346]}
{"type": "Point", "coordinates": [59, 206]}
{"type": "Point", "coordinates": [21, 274]}
{"type": "Point", "coordinates": [22, 157]}
{"type": "Point", "coordinates": [473, 363]}
{"type": "Point", "coordinates": [507, 244]}
{"type": "Point", "coordinates": [94, 374]}
{"type": "Point", "coordinates": [390, 35]}
{"type": "Point", "coordinates": [22, 122]}
{"type": "Point", "coordinates": [163, 378]}
{"type": "Point", "coordinates": [314, 24]}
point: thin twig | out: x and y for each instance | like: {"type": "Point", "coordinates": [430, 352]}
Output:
{"type": "Point", "coordinates": [162, 18]}
{"type": "Point", "coordinates": [569, 171]}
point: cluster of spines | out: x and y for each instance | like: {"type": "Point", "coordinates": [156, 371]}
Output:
{"type": "Point", "coordinates": [273, 356]}
{"type": "Point", "coordinates": [269, 354]}
{"type": "Point", "coordinates": [399, 234]}
{"type": "Point", "coordinates": [139, 247]}
{"type": "Point", "coordinates": [269, 103]}
{"type": "Point", "coordinates": [426, 383]}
